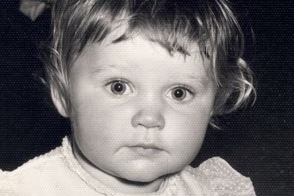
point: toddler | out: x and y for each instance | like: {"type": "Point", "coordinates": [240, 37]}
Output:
{"type": "Point", "coordinates": [140, 80]}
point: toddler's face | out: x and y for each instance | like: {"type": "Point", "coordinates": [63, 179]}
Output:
{"type": "Point", "coordinates": [139, 113]}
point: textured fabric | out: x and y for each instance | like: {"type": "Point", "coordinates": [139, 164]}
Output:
{"type": "Point", "coordinates": [58, 173]}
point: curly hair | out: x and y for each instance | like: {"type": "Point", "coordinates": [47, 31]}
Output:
{"type": "Point", "coordinates": [174, 24]}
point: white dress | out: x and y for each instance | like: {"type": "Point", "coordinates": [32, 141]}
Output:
{"type": "Point", "coordinates": [57, 173]}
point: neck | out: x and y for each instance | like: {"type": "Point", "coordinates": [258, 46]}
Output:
{"type": "Point", "coordinates": [113, 182]}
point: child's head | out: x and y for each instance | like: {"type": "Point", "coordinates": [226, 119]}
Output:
{"type": "Point", "coordinates": [141, 79]}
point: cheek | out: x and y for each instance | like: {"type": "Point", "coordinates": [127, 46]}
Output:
{"type": "Point", "coordinates": [99, 130]}
{"type": "Point", "coordinates": [95, 117]}
{"type": "Point", "coordinates": [187, 132]}
{"type": "Point", "coordinates": [193, 120]}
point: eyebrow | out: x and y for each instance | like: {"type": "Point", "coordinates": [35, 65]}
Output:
{"type": "Point", "coordinates": [106, 67]}
{"type": "Point", "coordinates": [204, 80]}
{"type": "Point", "coordinates": [193, 77]}
{"type": "Point", "coordinates": [190, 77]}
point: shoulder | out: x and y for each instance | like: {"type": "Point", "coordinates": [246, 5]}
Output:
{"type": "Point", "coordinates": [30, 173]}
{"type": "Point", "coordinates": [55, 157]}
{"type": "Point", "coordinates": [35, 163]}
{"type": "Point", "coordinates": [217, 176]}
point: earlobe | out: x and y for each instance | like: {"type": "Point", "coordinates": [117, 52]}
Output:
{"type": "Point", "coordinates": [211, 113]}
{"type": "Point", "coordinates": [59, 102]}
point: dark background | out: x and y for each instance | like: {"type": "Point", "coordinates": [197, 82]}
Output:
{"type": "Point", "coordinates": [258, 141]}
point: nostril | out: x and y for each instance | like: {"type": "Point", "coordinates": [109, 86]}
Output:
{"type": "Point", "coordinates": [148, 120]}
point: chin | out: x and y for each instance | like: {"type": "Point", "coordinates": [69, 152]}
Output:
{"type": "Point", "coordinates": [142, 171]}
{"type": "Point", "coordinates": [143, 176]}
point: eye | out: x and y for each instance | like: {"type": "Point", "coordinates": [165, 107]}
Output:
{"type": "Point", "coordinates": [180, 94]}
{"type": "Point", "coordinates": [119, 87]}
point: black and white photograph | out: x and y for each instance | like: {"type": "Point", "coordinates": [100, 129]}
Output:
{"type": "Point", "coordinates": [146, 97]}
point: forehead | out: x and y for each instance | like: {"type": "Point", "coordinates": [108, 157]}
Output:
{"type": "Point", "coordinates": [138, 51]}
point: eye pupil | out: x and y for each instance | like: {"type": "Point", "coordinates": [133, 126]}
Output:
{"type": "Point", "coordinates": [179, 94]}
{"type": "Point", "coordinates": [118, 87]}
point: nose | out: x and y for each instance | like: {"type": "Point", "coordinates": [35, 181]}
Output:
{"type": "Point", "coordinates": [148, 118]}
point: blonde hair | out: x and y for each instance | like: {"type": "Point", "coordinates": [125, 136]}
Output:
{"type": "Point", "coordinates": [174, 24]}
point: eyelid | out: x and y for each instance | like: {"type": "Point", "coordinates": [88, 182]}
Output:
{"type": "Point", "coordinates": [186, 87]}
{"type": "Point", "coordinates": [117, 79]}
{"type": "Point", "coordinates": [191, 92]}
{"type": "Point", "coordinates": [121, 80]}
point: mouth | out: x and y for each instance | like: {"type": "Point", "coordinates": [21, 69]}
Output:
{"type": "Point", "coordinates": [145, 149]}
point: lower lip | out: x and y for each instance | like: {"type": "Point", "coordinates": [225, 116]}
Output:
{"type": "Point", "coordinates": [141, 151]}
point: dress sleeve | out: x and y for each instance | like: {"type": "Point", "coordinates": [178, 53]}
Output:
{"type": "Point", "coordinates": [220, 178]}
{"type": "Point", "coordinates": [7, 187]}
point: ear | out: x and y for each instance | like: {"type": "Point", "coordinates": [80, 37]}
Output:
{"type": "Point", "coordinates": [211, 113]}
{"type": "Point", "coordinates": [59, 101]}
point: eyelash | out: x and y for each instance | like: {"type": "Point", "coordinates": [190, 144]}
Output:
{"type": "Point", "coordinates": [186, 88]}
{"type": "Point", "coordinates": [121, 81]}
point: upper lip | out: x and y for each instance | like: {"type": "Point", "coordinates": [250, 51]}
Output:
{"type": "Point", "coordinates": [147, 146]}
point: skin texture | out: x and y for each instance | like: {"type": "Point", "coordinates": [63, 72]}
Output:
{"type": "Point", "coordinates": [131, 139]}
